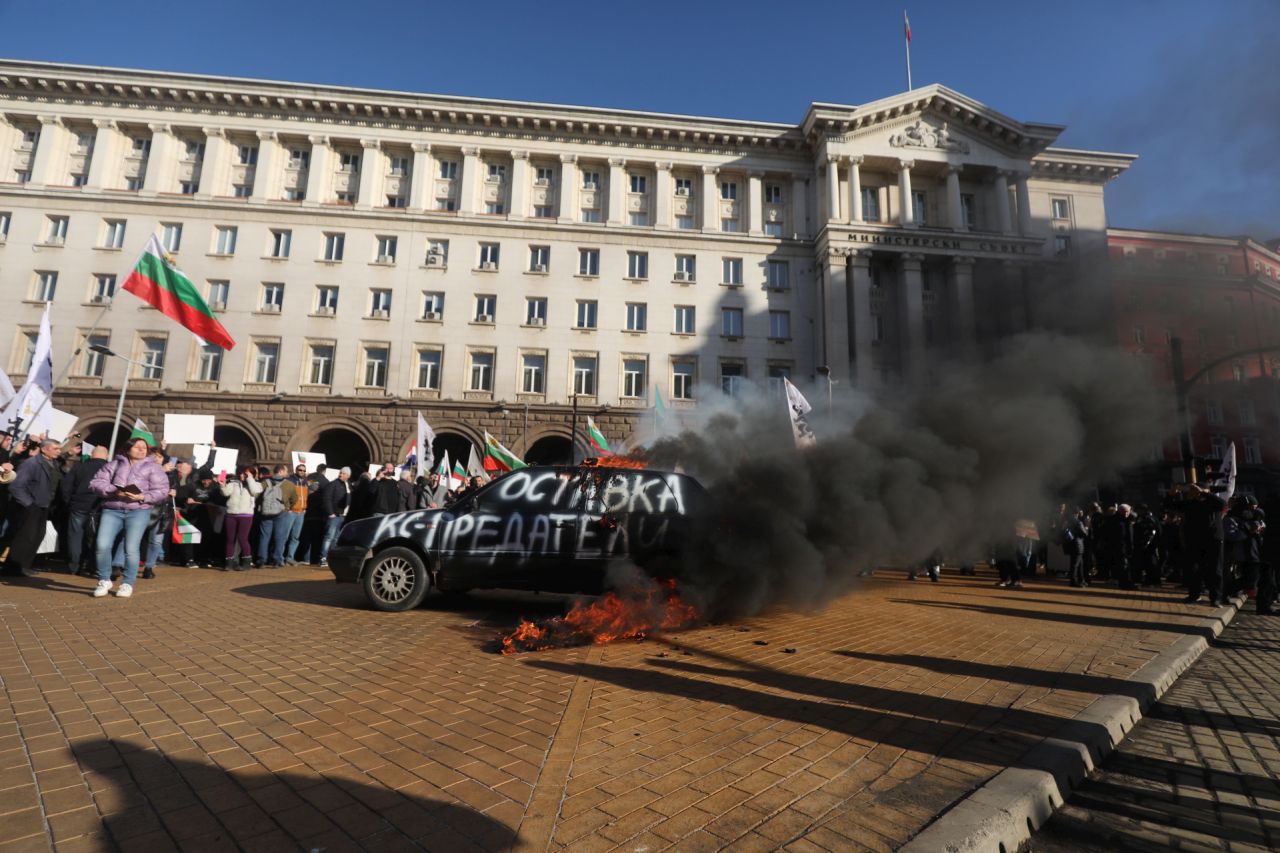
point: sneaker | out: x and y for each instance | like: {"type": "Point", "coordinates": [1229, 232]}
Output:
{"type": "Point", "coordinates": [101, 590]}
{"type": "Point", "coordinates": [189, 564]}
{"type": "Point", "coordinates": [323, 564]}
{"type": "Point", "coordinates": [124, 591]}
{"type": "Point", "coordinates": [289, 561]}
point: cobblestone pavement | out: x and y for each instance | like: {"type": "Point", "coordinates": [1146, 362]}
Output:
{"type": "Point", "coordinates": [1201, 771]}
{"type": "Point", "coordinates": [271, 710]}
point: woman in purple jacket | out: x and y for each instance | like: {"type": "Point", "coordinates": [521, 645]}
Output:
{"type": "Point", "coordinates": [129, 485]}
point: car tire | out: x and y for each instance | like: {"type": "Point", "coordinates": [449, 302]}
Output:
{"type": "Point", "coordinates": [396, 580]}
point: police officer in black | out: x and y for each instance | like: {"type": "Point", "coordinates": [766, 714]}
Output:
{"type": "Point", "coordinates": [1201, 511]}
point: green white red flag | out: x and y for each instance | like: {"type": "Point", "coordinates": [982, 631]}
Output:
{"type": "Point", "coordinates": [140, 431]}
{"type": "Point", "coordinates": [596, 439]}
{"type": "Point", "coordinates": [156, 281]}
{"type": "Point", "coordinates": [184, 532]}
{"type": "Point", "coordinates": [498, 458]}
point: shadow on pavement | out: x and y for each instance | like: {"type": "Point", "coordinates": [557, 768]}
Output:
{"type": "Point", "coordinates": [149, 798]}
{"type": "Point", "coordinates": [1070, 618]}
{"type": "Point", "coordinates": [51, 581]}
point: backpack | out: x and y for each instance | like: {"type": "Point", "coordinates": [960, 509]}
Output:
{"type": "Point", "coordinates": [272, 498]}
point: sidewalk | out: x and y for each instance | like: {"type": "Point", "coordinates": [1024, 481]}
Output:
{"type": "Point", "coordinates": [272, 710]}
{"type": "Point", "coordinates": [1201, 771]}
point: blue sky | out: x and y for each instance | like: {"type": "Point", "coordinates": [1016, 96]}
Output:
{"type": "Point", "coordinates": [1191, 86]}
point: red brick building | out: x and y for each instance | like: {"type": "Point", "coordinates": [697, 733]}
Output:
{"type": "Point", "coordinates": [1219, 295]}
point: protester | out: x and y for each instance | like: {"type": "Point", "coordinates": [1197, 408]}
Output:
{"type": "Point", "coordinates": [272, 530]}
{"type": "Point", "coordinates": [1201, 512]}
{"type": "Point", "coordinates": [408, 492]}
{"type": "Point", "coordinates": [1248, 521]}
{"type": "Point", "coordinates": [82, 512]}
{"type": "Point", "coordinates": [1146, 548]}
{"type": "Point", "coordinates": [385, 492]}
{"type": "Point", "coordinates": [240, 495]}
{"type": "Point", "coordinates": [334, 501]}
{"type": "Point", "coordinates": [30, 495]}
{"type": "Point", "coordinates": [182, 488]}
{"type": "Point", "coordinates": [129, 485]}
{"type": "Point", "coordinates": [1075, 536]}
{"type": "Point", "coordinates": [294, 490]}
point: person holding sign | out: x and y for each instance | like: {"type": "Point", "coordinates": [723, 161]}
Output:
{"type": "Point", "coordinates": [241, 494]}
{"type": "Point", "coordinates": [129, 485]}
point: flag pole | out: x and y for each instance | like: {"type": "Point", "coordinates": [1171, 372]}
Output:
{"type": "Point", "coordinates": [906, 33]}
{"type": "Point", "coordinates": [66, 369]}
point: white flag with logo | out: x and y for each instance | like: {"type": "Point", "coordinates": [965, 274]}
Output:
{"type": "Point", "coordinates": [798, 408]}
{"type": "Point", "coordinates": [1229, 471]}
{"type": "Point", "coordinates": [31, 399]}
{"type": "Point", "coordinates": [426, 438]}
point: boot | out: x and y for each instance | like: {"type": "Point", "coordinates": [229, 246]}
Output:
{"type": "Point", "coordinates": [148, 574]}
{"type": "Point", "coordinates": [229, 565]}
{"type": "Point", "coordinates": [245, 563]}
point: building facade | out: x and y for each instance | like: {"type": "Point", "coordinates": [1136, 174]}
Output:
{"type": "Point", "coordinates": [1221, 297]}
{"type": "Point", "coordinates": [377, 253]}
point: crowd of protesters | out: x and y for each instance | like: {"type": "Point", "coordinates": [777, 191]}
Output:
{"type": "Point", "coordinates": [117, 516]}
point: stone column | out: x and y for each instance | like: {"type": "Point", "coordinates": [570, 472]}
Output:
{"type": "Point", "coordinates": [863, 322]}
{"type": "Point", "coordinates": [469, 181]}
{"type": "Point", "coordinates": [216, 168]}
{"type": "Point", "coordinates": [270, 168]}
{"type": "Point", "coordinates": [906, 215]}
{"type": "Point", "coordinates": [835, 315]}
{"type": "Point", "coordinates": [964, 321]}
{"type": "Point", "coordinates": [104, 164]}
{"type": "Point", "coordinates": [161, 162]}
{"type": "Point", "coordinates": [911, 329]}
{"type": "Point", "coordinates": [421, 180]}
{"type": "Point", "coordinates": [373, 170]}
{"type": "Point", "coordinates": [833, 188]}
{"type": "Point", "coordinates": [708, 204]}
{"type": "Point", "coordinates": [10, 136]}
{"type": "Point", "coordinates": [519, 184]}
{"type": "Point", "coordinates": [955, 210]}
{"type": "Point", "coordinates": [320, 172]}
{"type": "Point", "coordinates": [617, 191]}
{"type": "Point", "coordinates": [1024, 205]}
{"type": "Point", "coordinates": [855, 189]}
{"type": "Point", "coordinates": [569, 183]}
{"type": "Point", "coordinates": [799, 208]}
{"type": "Point", "coordinates": [49, 166]}
{"type": "Point", "coordinates": [1001, 189]}
{"type": "Point", "coordinates": [755, 204]}
{"type": "Point", "coordinates": [663, 189]}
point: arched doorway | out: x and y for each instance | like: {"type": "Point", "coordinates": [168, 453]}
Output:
{"type": "Point", "coordinates": [549, 450]}
{"type": "Point", "coordinates": [457, 446]}
{"type": "Point", "coordinates": [234, 438]}
{"type": "Point", "coordinates": [343, 448]}
{"type": "Point", "coordinates": [99, 434]}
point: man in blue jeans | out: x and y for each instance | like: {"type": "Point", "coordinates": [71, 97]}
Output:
{"type": "Point", "coordinates": [334, 499]}
{"type": "Point", "coordinates": [272, 520]}
{"type": "Point", "coordinates": [294, 491]}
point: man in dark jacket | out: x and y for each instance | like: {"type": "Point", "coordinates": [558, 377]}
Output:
{"type": "Point", "coordinates": [1202, 538]}
{"type": "Point", "coordinates": [1146, 548]}
{"type": "Point", "coordinates": [386, 492]}
{"type": "Point", "coordinates": [1250, 520]}
{"type": "Point", "coordinates": [1115, 542]}
{"type": "Point", "coordinates": [82, 505]}
{"type": "Point", "coordinates": [333, 500]}
{"type": "Point", "coordinates": [30, 496]}
{"type": "Point", "coordinates": [1074, 536]}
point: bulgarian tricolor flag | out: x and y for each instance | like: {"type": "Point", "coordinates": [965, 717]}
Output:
{"type": "Point", "coordinates": [596, 438]}
{"type": "Point", "coordinates": [184, 532]}
{"type": "Point", "coordinates": [156, 281]}
{"type": "Point", "coordinates": [458, 475]}
{"type": "Point", "coordinates": [498, 458]}
{"type": "Point", "coordinates": [140, 431]}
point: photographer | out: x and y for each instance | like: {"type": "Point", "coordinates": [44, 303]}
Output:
{"type": "Point", "coordinates": [1201, 512]}
{"type": "Point", "coordinates": [385, 491]}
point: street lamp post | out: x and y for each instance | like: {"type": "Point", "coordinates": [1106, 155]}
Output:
{"type": "Point", "coordinates": [825, 372]}
{"type": "Point", "coordinates": [124, 388]}
{"type": "Point", "coordinates": [573, 437]}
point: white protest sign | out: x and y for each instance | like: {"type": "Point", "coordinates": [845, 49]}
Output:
{"type": "Point", "coordinates": [201, 453]}
{"type": "Point", "coordinates": [331, 474]}
{"type": "Point", "coordinates": [224, 460]}
{"type": "Point", "coordinates": [311, 460]}
{"type": "Point", "coordinates": [59, 423]}
{"type": "Point", "coordinates": [188, 429]}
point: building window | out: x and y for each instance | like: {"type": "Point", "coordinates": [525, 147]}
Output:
{"type": "Point", "coordinates": [780, 325]}
{"type": "Point", "coordinates": [439, 251]}
{"type": "Point", "coordinates": [731, 322]}
{"type": "Point", "coordinates": [46, 286]}
{"type": "Point", "coordinates": [447, 205]}
{"type": "Point", "coordinates": [533, 373]}
{"type": "Point", "coordinates": [486, 308]}
{"type": "Point", "coordinates": [584, 375]}
{"type": "Point", "coordinates": [399, 166]}
{"type": "Point", "coordinates": [218, 292]}
{"type": "Point", "coordinates": [153, 352]}
{"type": "Point", "coordinates": [56, 229]}
{"type": "Point", "coordinates": [93, 363]}
{"type": "Point", "coordinates": [209, 363]}
{"type": "Point", "coordinates": [494, 208]}
{"type": "Point", "coordinates": [281, 242]}
{"type": "Point", "coordinates": [773, 229]}
{"type": "Point", "coordinates": [497, 173]}
{"type": "Point", "coordinates": [779, 274]}
{"type": "Point", "coordinates": [591, 180]}
{"type": "Point", "coordinates": [449, 170]}
{"type": "Point", "coordinates": [375, 366]}
{"type": "Point", "coordinates": [112, 232]}
{"type": "Point", "coordinates": [326, 299]}
{"type": "Point", "coordinates": [386, 250]}
{"type": "Point", "coordinates": [637, 317]}
{"type": "Point", "coordinates": [778, 373]}
{"type": "Point", "coordinates": [918, 207]}
{"type": "Point", "coordinates": [432, 305]}
{"type": "Point", "coordinates": [870, 204]}
{"type": "Point", "coordinates": [380, 304]}
{"type": "Point", "coordinates": [638, 218]}
{"type": "Point", "coordinates": [295, 194]}
{"type": "Point", "coordinates": [729, 225]}
{"type": "Point", "coordinates": [732, 378]}
{"type": "Point", "coordinates": [544, 176]}
{"type": "Point", "coordinates": [1237, 372]}
{"type": "Point", "coordinates": [682, 379]}
{"type": "Point", "coordinates": [684, 186]}
{"type": "Point", "coordinates": [28, 351]}
{"type": "Point", "coordinates": [728, 191]}
{"type": "Point", "coordinates": [1061, 244]}
{"type": "Point", "coordinates": [634, 378]}
{"type": "Point", "coordinates": [1252, 450]}
{"type": "Point", "coordinates": [543, 211]}
{"type": "Point", "coordinates": [591, 214]}
{"type": "Point", "coordinates": [684, 320]}
{"type": "Point", "coordinates": [397, 202]}
{"type": "Point", "coordinates": [489, 256]}
{"type": "Point", "coordinates": [686, 268]}
{"type": "Point", "coordinates": [637, 264]}
{"type": "Point", "coordinates": [969, 210]}
{"type": "Point", "coordinates": [193, 151]}
{"type": "Point", "coordinates": [6, 217]}
{"type": "Point", "coordinates": [320, 365]}
{"type": "Point", "coordinates": [539, 258]}
{"type": "Point", "coordinates": [535, 311]}
{"type": "Point", "coordinates": [1217, 446]}
{"type": "Point", "coordinates": [224, 240]}
{"type": "Point", "coordinates": [1060, 208]}
{"type": "Point", "coordinates": [586, 315]}
{"type": "Point", "coordinates": [272, 297]}
{"type": "Point", "coordinates": [773, 194]}
{"type": "Point", "coordinates": [266, 358]}
{"type": "Point", "coordinates": [247, 155]}
{"type": "Point", "coordinates": [1247, 416]}
{"type": "Point", "coordinates": [104, 288]}
{"type": "Point", "coordinates": [732, 270]}
{"type": "Point", "coordinates": [348, 163]}
{"type": "Point", "coordinates": [684, 223]}
{"type": "Point", "coordinates": [1213, 412]}
{"type": "Point", "coordinates": [639, 184]}
{"type": "Point", "coordinates": [299, 158]}
{"type": "Point", "coordinates": [335, 243]}
{"type": "Point", "coordinates": [429, 369]}
{"type": "Point", "coordinates": [481, 371]}
{"type": "Point", "coordinates": [588, 262]}
{"type": "Point", "coordinates": [187, 187]}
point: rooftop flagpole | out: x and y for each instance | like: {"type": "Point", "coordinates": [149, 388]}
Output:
{"type": "Point", "coordinates": [906, 33]}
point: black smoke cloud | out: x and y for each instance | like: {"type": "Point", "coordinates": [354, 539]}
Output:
{"type": "Point", "coordinates": [891, 480]}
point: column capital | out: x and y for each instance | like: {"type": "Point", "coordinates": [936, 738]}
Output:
{"type": "Point", "coordinates": [756, 173]}
{"type": "Point", "coordinates": [266, 135]}
{"type": "Point", "coordinates": [617, 162]}
{"type": "Point", "coordinates": [664, 165]}
{"type": "Point", "coordinates": [368, 144]}
{"type": "Point", "coordinates": [710, 170]}
{"type": "Point", "coordinates": [861, 257]}
{"type": "Point", "coordinates": [519, 155]}
{"type": "Point", "coordinates": [49, 119]}
{"type": "Point", "coordinates": [471, 151]}
{"type": "Point", "coordinates": [834, 159]}
{"type": "Point", "coordinates": [953, 168]}
{"type": "Point", "coordinates": [568, 158]}
{"type": "Point", "coordinates": [421, 147]}
{"type": "Point", "coordinates": [1004, 173]}
{"type": "Point", "coordinates": [906, 164]}
{"type": "Point", "coordinates": [318, 139]}
{"type": "Point", "coordinates": [963, 261]}
{"type": "Point", "coordinates": [160, 128]}
{"type": "Point", "coordinates": [854, 159]}
{"type": "Point", "coordinates": [214, 131]}
{"type": "Point", "coordinates": [913, 259]}
{"type": "Point", "coordinates": [105, 123]}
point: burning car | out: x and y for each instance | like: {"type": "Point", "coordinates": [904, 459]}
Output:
{"type": "Point", "coordinates": [549, 529]}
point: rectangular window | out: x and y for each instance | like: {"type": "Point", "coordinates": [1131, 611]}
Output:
{"type": "Point", "coordinates": [320, 365]}
{"type": "Point", "coordinates": [637, 317]}
{"type": "Point", "coordinates": [29, 351]}
{"type": "Point", "coordinates": [140, 146]}
{"type": "Point", "coordinates": [544, 176]}
{"type": "Point", "coordinates": [870, 204]}
{"type": "Point", "coordinates": [1247, 416]}
{"type": "Point", "coordinates": [731, 269]}
{"type": "Point", "coordinates": [497, 173]}
{"type": "Point", "coordinates": [224, 242]}
{"type": "Point", "coordinates": [448, 170]}
{"type": "Point", "coordinates": [247, 154]}
{"type": "Point", "coordinates": [326, 299]}
{"type": "Point", "coordinates": [397, 202]}
{"type": "Point", "coordinates": [266, 358]}
{"type": "Point", "coordinates": [591, 180]}
{"type": "Point", "coordinates": [272, 297]}
{"type": "Point", "coordinates": [1060, 208]}
{"type": "Point", "coordinates": [494, 208]}
{"type": "Point", "coordinates": [171, 236]}
{"type": "Point", "coordinates": [348, 162]}
{"type": "Point", "coordinates": [731, 322]}
{"type": "Point", "coordinates": [535, 311]}
{"type": "Point", "coordinates": [6, 217]}
{"type": "Point", "coordinates": [104, 288]}
{"type": "Point", "coordinates": [732, 378]}
{"type": "Point", "coordinates": [112, 233]}
{"type": "Point", "coordinates": [56, 229]}
{"type": "Point", "coordinates": [432, 305]}
{"type": "Point", "coordinates": [637, 264]}
{"type": "Point", "coordinates": [639, 184]}
{"type": "Point", "coordinates": [584, 375]}
{"type": "Point", "coordinates": [917, 207]}
{"type": "Point", "coordinates": [773, 194]}
{"type": "Point", "coordinates": [95, 363]}
{"type": "Point", "coordinates": [399, 166]}
{"type": "Point", "coordinates": [637, 218]}
{"type": "Point", "coordinates": [1213, 412]}
{"type": "Point", "coordinates": [386, 250]}
{"type": "Point", "coordinates": [375, 367]}
{"type": "Point", "coordinates": [281, 242]}
{"type": "Point", "coordinates": [344, 198]}
{"type": "Point", "coordinates": [187, 187]}
{"type": "Point", "coordinates": [299, 158]}
{"type": "Point", "coordinates": [635, 382]}
{"type": "Point", "coordinates": [380, 304]}
{"type": "Point", "coordinates": [1217, 446]}
{"type": "Point", "coordinates": [209, 363]}
{"type": "Point", "coordinates": [544, 211]}
{"type": "Point", "coordinates": [728, 191]}
{"type": "Point", "coordinates": [486, 307]}
{"type": "Point", "coordinates": [969, 210]}
{"type": "Point", "coordinates": [586, 315]}
{"type": "Point", "coordinates": [777, 373]}
{"type": "Point", "coordinates": [773, 229]}
{"type": "Point", "coordinates": [591, 214]}
{"type": "Point", "coordinates": [481, 371]}
{"type": "Point", "coordinates": [588, 262]}
{"type": "Point", "coordinates": [153, 353]}
{"type": "Point", "coordinates": [193, 151]}
{"type": "Point", "coordinates": [439, 250]}
{"type": "Point", "coordinates": [335, 244]}
{"type": "Point", "coordinates": [533, 373]}
{"type": "Point", "coordinates": [779, 275]}
{"type": "Point", "coordinates": [686, 268]}
{"type": "Point", "coordinates": [684, 223]}
{"type": "Point", "coordinates": [1061, 244]}
{"type": "Point", "coordinates": [488, 256]}
{"type": "Point", "coordinates": [682, 378]}
{"type": "Point", "coordinates": [46, 286]}
{"type": "Point", "coordinates": [448, 205]}
{"type": "Point", "coordinates": [295, 194]}
{"type": "Point", "coordinates": [684, 320]}
{"type": "Point", "coordinates": [539, 258]}
{"type": "Point", "coordinates": [1252, 450]}
{"type": "Point", "coordinates": [780, 325]}
{"type": "Point", "coordinates": [684, 186]}
{"type": "Point", "coordinates": [218, 291]}
{"type": "Point", "coordinates": [729, 225]}
{"type": "Point", "coordinates": [429, 369]}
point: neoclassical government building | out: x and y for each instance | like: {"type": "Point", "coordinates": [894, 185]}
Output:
{"type": "Point", "coordinates": [378, 253]}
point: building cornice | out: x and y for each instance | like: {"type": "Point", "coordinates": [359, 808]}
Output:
{"type": "Point", "coordinates": [1071, 164]}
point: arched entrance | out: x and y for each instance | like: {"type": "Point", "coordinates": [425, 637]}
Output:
{"type": "Point", "coordinates": [99, 434]}
{"type": "Point", "coordinates": [343, 448]}
{"type": "Point", "coordinates": [234, 438]}
{"type": "Point", "coordinates": [457, 446]}
{"type": "Point", "coordinates": [549, 450]}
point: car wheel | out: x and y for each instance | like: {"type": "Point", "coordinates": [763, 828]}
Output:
{"type": "Point", "coordinates": [397, 580]}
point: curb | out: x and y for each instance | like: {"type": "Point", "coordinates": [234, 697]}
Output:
{"type": "Point", "coordinates": [1002, 814]}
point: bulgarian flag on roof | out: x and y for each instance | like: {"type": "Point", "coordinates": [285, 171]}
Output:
{"type": "Point", "coordinates": [497, 457]}
{"type": "Point", "coordinates": [598, 442]}
{"type": "Point", "coordinates": [140, 431]}
{"type": "Point", "coordinates": [156, 281]}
